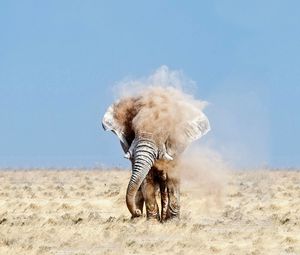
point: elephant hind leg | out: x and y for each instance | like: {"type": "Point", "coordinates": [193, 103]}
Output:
{"type": "Point", "coordinates": [173, 187]}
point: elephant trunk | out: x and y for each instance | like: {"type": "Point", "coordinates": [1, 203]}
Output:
{"type": "Point", "coordinates": [145, 153]}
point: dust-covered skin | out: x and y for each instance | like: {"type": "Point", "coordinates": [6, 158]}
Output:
{"type": "Point", "coordinates": [159, 186]}
{"type": "Point", "coordinates": [82, 212]}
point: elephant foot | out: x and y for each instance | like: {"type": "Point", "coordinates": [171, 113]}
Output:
{"type": "Point", "coordinates": [173, 211]}
{"type": "Point", "coordinates": [152, 212]}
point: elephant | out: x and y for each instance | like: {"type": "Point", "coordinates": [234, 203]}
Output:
{"type": "Point", "coordinates": [154, 128]}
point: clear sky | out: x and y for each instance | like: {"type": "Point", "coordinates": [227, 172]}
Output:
{"type": "Point", "coordinates": [60, 59]}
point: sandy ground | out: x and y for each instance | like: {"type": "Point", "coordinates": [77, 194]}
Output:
{"type": "Point", "coordinates": [84, 212]}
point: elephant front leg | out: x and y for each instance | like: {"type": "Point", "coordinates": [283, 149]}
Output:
{"type": "Point", "coordinates": [162, 180]}
{"type": "Point", "coordinates": [148, 190]}
{"type": "Point", "coordinates": [173, 186]}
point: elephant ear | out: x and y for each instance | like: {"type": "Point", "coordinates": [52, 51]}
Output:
{"type": "Point", "coordinates": [190, 131]}
{"type": "Point", "coordinates": [196, 128]}
{"type": "Point", "coordinates": [109, 122]}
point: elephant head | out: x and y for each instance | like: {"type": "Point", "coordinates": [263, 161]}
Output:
{"type": "Point", "coordinates": [133, 121]}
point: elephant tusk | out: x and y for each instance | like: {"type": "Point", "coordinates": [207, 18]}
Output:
{"type": "Point", "coordinates": [167, 156]}
{"type": "Point", "coordinates": [164, 154]}
{"type": "Point", "coordinates": [127, 155]}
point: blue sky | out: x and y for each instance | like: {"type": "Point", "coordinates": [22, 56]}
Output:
{"type": "Point", "coordinates": [60, 59]}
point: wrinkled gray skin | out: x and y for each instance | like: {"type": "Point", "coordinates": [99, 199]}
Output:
{"type": "Point", "coordinates": [152, 165]}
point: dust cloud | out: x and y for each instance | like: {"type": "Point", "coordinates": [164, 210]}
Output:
{"type": "Point", "coordinates": [160, 105]}
{"type": "Point", "coordinates": [240, 117]}
{"type": "Point", "coordinates": [204, 174]}
{"type": "Point", "coordinates": [238, 112]}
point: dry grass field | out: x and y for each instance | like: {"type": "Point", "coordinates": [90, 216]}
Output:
{"type": "Point", "coordinates": [84, 212]}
